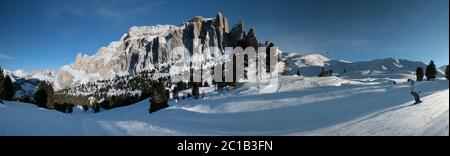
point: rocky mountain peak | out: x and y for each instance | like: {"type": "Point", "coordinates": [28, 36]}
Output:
{"type": "Point", "coordinates": [251, 37]}
{"type": "Point", "coordinates": [221, 22]}
{"type": "Point", "coordinates": [151, 47]}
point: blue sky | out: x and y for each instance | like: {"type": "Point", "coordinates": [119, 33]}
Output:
{"type": "Point", "coordinates": [46, 34]}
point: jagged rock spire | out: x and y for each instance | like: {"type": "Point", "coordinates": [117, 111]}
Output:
{"type": "Point", "coordinates": [251, 37]}
{"type": "Point", "coordinates": [236, 34]}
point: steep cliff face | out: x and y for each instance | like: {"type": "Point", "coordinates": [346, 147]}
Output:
{"type": "Point", "coordinates": [150, 47]}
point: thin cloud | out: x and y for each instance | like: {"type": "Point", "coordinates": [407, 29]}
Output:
{"type": "Point", "coordinates": [6, 57]}
{"type": "Point", "coordinates": [104, 9]}
{"type": "Point", "coordinates": [119, 12]}
{"type": "Point", "coordinates": [58, 9]}
{"type": "Point", "coordinates": [110, 13]}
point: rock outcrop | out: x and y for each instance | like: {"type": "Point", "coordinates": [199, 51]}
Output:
{"type": "Point", "coordinates": [150, 47]}
{"type": "Point", "coordinates": [251, 38]}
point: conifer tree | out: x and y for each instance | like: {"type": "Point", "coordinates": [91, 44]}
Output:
{"type": "Point", "coordinates": [325, 72]}
{"type": "Point", "coordinates": [40, 98]}
{"type": "Point", "coordinates": [431, 71]}
{"type": "Point", "coordinates": [96, 107]}
{"type": "Point", "coordinates": [44, 94]}
{"type": "Point", "coordinates": [1, 74]}
{"type": "Point", "coordinates": [6, 89]}
{"type": "Point", "coordinates": [196, 90]}
{"type": "Point", "coordinates": [158, 98]}
{"type": "Point", "coordinates": [69, 108]}
{"type": "Point", "coordinates": [419, 74]}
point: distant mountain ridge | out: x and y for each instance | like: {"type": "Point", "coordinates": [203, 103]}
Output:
{"type": "Point", "coordinates": [311, 64]}
{"type": "Point", "coordinates": [25, 83]}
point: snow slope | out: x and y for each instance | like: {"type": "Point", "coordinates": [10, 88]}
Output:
{"type": "Point", "coordinates": [442, 69]}
{"type": "Point", "coordinates": [429, 118]}
{"type": "Point", "coordinates": [302, 106]}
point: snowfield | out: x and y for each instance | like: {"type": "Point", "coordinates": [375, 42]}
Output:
{"type": "Point", "coordinates": [365, 105]}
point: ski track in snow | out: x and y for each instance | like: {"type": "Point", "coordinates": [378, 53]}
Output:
{"type": "Point", "coordinates": [302, 106]}
{"type": "Point", "coordinates": [427, 118]}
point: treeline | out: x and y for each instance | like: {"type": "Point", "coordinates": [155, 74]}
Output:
{"type": "Point", "coordinates": [107, 94]}
{"type": "Point", "coordinates": [430, 72]}
{"type": "Point", "coordinates": [159, 91]}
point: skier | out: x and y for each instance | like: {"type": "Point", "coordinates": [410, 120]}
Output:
{"type": "Point", "coordinates": [414, 92]}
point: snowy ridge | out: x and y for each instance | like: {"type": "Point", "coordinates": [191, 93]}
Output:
{"type": "Point", "coordinates": [388, 65]}
{"type": "Point", "coordinates": [48, 75]}
{"type": "Point", "coordinates": [311, 64]}
{"type": "Point", "coordinates": [25, 84]}
{"type": "Point", "coordinates": [21, 73]}
{"type": "Point", "coordinates": [151, 32]}
{"type": "Point", "coordinates": [307, 60]}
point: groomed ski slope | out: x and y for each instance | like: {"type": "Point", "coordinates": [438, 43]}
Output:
{"type": "Point", "coordinates": [302, 106]}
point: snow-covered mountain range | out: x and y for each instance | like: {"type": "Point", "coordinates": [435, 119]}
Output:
{"type": "Point", "coordinates": [25, 83]}
{"type": "Point", "coordinates": [311, 64]}
{"type": "Point", "coordinates": [38, 75]}
{"type": "Point", "coordinates": [157, 48]}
